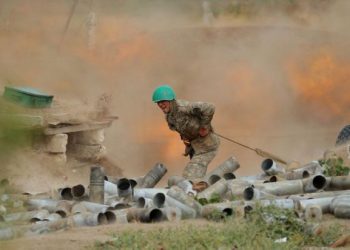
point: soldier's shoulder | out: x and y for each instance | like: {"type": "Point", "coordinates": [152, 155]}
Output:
{"type": "Point", "coordinates": [182, 103]}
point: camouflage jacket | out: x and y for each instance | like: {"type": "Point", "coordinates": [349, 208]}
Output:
{"type": "Point", "coordinates": [187, 117]}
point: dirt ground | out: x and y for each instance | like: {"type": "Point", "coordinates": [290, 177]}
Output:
{"type": "Point", "coordinates": [86, 237]}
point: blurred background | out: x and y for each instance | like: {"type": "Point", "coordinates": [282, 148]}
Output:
{"type": "Point", "coordinates": [277, 71]}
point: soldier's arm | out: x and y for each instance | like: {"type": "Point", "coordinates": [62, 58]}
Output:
{"type": "Point", "coordinates": [171, 126]}
{"type": "Point", "coordinates": [204, 111]}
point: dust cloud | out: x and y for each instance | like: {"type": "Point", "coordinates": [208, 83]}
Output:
{"type": "Point", "coordinates": [277, 75]}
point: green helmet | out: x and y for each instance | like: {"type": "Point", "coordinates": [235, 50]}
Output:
{"type": "Point", "coordinates": [163, 93]}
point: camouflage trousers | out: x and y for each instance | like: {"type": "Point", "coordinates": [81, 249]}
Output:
{"type": "Point", "coordinates": [197, 166]}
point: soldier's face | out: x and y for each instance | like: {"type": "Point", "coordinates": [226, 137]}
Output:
{"type": "Point", "coordinates": [164, 106]}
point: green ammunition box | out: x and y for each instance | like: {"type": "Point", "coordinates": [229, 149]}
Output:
{"type": "Point", "coordinates": [28, 97]}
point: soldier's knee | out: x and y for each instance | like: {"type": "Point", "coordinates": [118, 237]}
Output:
{"type": "Point", "coordinates": [194, 171]}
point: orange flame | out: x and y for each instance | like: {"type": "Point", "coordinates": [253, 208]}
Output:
{"type": "Point", "coordinates": [168, 141]}
{"type": "Point", "coordinates": [322, 84]}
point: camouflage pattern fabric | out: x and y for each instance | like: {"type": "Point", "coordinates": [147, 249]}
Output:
{"type": "Point", "coordinates": [197, 166]}
{"type": "Point", "coordinates": [201, 145]}
{"type": "Point", "coordinates": [187, 118]}
{"type": "Point", "coordinates": [343, 136]}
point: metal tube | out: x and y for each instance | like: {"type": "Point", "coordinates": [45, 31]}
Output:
{"type": "Point", "coordinates": [340, 201]}
{"type": "Point", "coordinates": [31, 216]}
{"type": "Point", "coordinates": [171, 213]}
{"type": "Point", "coordinates": [186, 211]}
{"type": "Point", "coordinates": [180, 195]}
{"type": "Point", "coordinates": [148, 192]}
{"type": "Point", "coordinates": [218, 188]}
{"type": "Point", "coordinates": [136, 181]}
{"type": "Point", "coordinates": [110, 217]}
{"type": "Point", "coordinates": [118, 204]}
{"type": "Point", "coordinates": [89, 219]}
{"type": "Point", "coordinates": [113, 179]}
{"type": "Point", "coordinates": [159, 200]}
{"type": "Point", "coordinates": [151, 215]}
{"type": "Point", "coordinates": [35, 204]}
{"type": "Point", "coordinates": [213, 179]}
{"type": "Point", "coordinates": [312, 168]}
{"type": "Point", "coordinates": [282, 187]}
{"type": "Point", "coordinates": [280, 203]}
{"type": "Point", "coordinates": [342, 212]}
{"type": "Point", "coordinates": [276, 178]}
{"type": "Point", "coordinates": [65, 193]}
{"type": "Point", "coordinates": [187, 187]}
{"type": "Point", "coordinates": [324, 203]}
{"type": "Point", "coordinates": [228, 166]}
{"type": "Point", "coordinates": [339, 183]}
{"type": "Point", "coordinates": [122, 216]}
{"type": "Point", "coordinates": [246, 181]}
{"type": "Point", "coordinates": [251, 193]}
{"type": "Point", "coordinates": [270, 167]}
{"type": "Point", "coordinates": [78, 191]}
{"type": "Point", "coordinates": [225, 209]}
{"type": "Point", "coordinates": [79, 208]}
{"type": "Point", "coordinates": [124, 188]}
{"type": "Point", "coordinates": [140, 202]}
{"type": "Point", "coordinates": [235, 189]}
{"type": "Point", "coordinates": [297, 175]}
{"type": "Point", "coordinates": [229, 176]}
{"type": "Point", "coordinates": [314, 183]}
{"type": "Point", "coordinates": [63, 208]}
{"type": "Point", "coordinates": [110, 188]}
{"type": "Point", "coordinates": [95, 207]}
{"type": "Point", "coordinates": [173, 180]}
{"type": "Point", "coordinates": [96, 193]}
{"type": "Point", "coordinates": [153, 176]}
{"type": "Point", "coordinates": [143, 202]}
{"type": "Point", "coordinates": [318, 195]}
{"type": "Point", "coordinates": [259, 178]}
{"type": "Point", "coordinates": [145, 215]}
{"type": "Point", "coordinates": [53, 217]}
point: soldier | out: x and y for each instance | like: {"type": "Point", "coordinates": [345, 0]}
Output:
{"type": "Point", "coordinates": [343, 136]}
{"type": "Point", "coordinates": [192, 120]}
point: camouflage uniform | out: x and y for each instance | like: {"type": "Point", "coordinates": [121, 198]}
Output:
{"type": "Point", "coordinates": [187, 118]}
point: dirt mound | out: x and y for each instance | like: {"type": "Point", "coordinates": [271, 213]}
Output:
{"type": "Point", "coordinates": [34, 172]}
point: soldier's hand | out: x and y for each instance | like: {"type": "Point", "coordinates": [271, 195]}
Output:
{"type": "Point", "coordinates": [203, 132]}
{"type": "Point", "coordinates": [199, 186]}
{"type": "Point", "coordinates": [189, 151]}
{"type": "Point", "coordinates": [186, 142]}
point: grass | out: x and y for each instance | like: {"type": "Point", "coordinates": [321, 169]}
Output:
{"type": "Point", "coordinates": [12, 134]}
{"type": "Point", "coordinates": [261, 229]}
{"type": "Point", "coordinates": [334, 167]}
